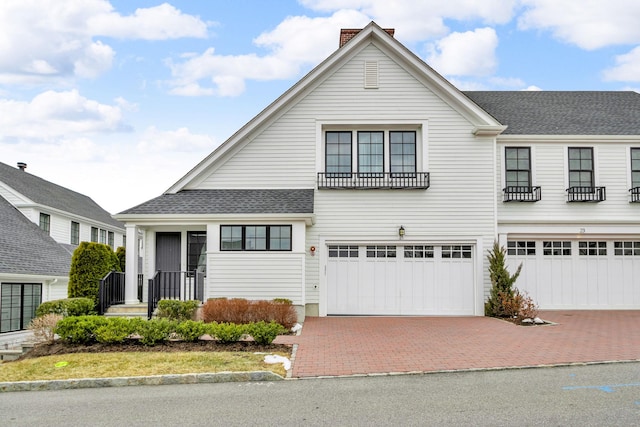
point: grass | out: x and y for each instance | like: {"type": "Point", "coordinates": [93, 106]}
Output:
{"type": "Point", "coordinates": [128, 364]}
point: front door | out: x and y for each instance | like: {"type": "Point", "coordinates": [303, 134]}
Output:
{"type": "Point", "coordinates": [168, 263]}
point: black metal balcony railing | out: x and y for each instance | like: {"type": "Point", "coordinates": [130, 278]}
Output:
{"type": "Point", "coordinates": [522, 194]}
{"type": "Point", "coordinates": [417, 180]}
{"type": "Point", "coordinates": [586, 194]}
{"type": "Point", "coordinates": [635, 195]}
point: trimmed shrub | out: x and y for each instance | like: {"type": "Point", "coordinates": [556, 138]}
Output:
{"type": "Point", "coordinates": [241, 311]}
{"type": "Point", "coordinates": [155, 331]}
{"type": "Point", "coordinates": [121, 253]}
{"type": "Point", "coordinates": [177, 310]}
{"type": "Point", "coordinates": [43, 327]}
{"type": "Point", "coordinates": [227, 332]}
{"type": "Point", "coordinates": [90, 262]}
{"type": "Point", "coordinates": [67, 307]}
{"type": "Point", "coordinates": [116, 330]}
{"type": "Point", "coordinates": [79, 329]}
{"type": "Point", "coordinates": [191, 330]}
{"type": "Point", "coordinates": [263, 332]}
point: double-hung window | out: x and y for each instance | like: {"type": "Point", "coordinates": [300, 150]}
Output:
{"type": "Point", "coordinates": [338, 154]}
{"type": "Point", "coordinates": [45, 222]}
{"type": "Point", "coordinates": [402, 145]}
{"type": "Point", "coordinates": [75, 233]}
{"type": "Point", "coordinates": [635, 175]}
{"type": "Point", "coordinates": [371, 154]}
{"type": "Point", "coordinates": [94, 234]}
{"type": "Point", "coordinates": [581, 167]}
{"type": "Point", "coordinates": [255, 238]}
{"type": "Point", "coordinates": [518, 167]}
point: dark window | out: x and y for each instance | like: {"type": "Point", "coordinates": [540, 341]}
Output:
{"type": "Point", "coordinates": [255, 237]}
{"type": "Point", "coordinates": [45, 222]}
{"type": "Point", "coordinates": [103, 236]}
{"type": "Point", "coordinates": [518, 167]}
{"type": "Point", "coordinates": [592, 248]}
{"type": "Point", "coordinates": [371, 153]}
{"type": "Point", "coordinates": [111, 239]}
{"type": "Point", "coordinates": [456, 251]}
{"type": "Point", "coordinates": [556, 248]}
{"type": "Point", "coordinates": [418, 251]}
{"type": "Point", "coordinates": [338, 153]}
{"type": "Point", "coordinates": [18, 302]}
{"type": "Point", "coordinates": [94, 234]}
{"type": "Point", "coordinates": [626, 248]}
{"type": "Point", "coordinates": [402, 145]}
{"type": "Point", "coordinates": [521, 248]}
{"type": "Point", "coordinates": [75, 233]}
{"type": "Point", "coordinates": [197, 251]}
{"type": "Point", "coordinates": [343, 251]}
{"type": "Point", "coordinates": [381, 251]}
{"type": "Point", "coordinates": [581, 167]}
{"type": "Point", "coordinates": [635, 167]}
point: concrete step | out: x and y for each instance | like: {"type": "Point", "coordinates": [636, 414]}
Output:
{"type": "Point", "coordinates": [127, 310]}
{"type": "Point", "coordinates": [13, 354]}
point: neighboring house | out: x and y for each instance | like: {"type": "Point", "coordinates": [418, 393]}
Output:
{"type": "Point", "coordinates": [375, 187]}
{"type": "Point", "coordinates": [67, 216]}
{"type": "Point", "coordinates": [33, 268]}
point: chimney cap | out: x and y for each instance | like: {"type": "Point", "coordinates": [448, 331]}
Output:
{"type": "Point", "coordinates": [22, 166]}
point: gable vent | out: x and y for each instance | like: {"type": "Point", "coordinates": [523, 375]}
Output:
{"type": "Point", "coordinates": [371, 74]}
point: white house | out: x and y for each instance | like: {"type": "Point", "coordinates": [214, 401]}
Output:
{"type": "Point", "coordinates": [373, 186]}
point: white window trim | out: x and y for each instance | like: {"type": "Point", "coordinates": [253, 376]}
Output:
{"type": "Point", "coordinates": [532, 159]}
{"type": "Point", "coordinates": [596, 163]}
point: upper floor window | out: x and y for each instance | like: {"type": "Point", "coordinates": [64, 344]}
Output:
{"type": "Point", "coordinates": [94, 234]}
{"type": "Point", "coordinates": [371, 153]}
{"type": "Point", "coordinates": [255, 237]}
{"type": "Point", "coordinates": [338, 153]}
{"type": "Point", "coordinates": [103, 236]}
{"type": "Point", "coordinates": [518, 167]}
{"type": "Point", "coordinates": [45, 222]}
{"type": "Point", "coordinates": [635, 167]}
{"type": "Point", "coordinates": [402, 145]}
{"type": "Point", "coordinates": [110, 239]}
{"type": "Point", "coordinates": [581, 167]}
{"type": "Point", "coordinates": [75, 233]}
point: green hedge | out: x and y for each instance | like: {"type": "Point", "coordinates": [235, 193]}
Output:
{"type": "Point", "coordinates": [67, 307]}
{"type": "Point", "coordinates": [90, 262]}
{"type": "Point", "coordinates": [177, 310]}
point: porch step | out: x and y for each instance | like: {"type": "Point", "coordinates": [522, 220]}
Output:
{"type": "Point", "coordinates": [127, 310]}
{"type": "Point", "coordinates": [9, 354]}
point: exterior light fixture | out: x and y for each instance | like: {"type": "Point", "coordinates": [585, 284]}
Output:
{"type": "Point", "coordinates": [401, 232]}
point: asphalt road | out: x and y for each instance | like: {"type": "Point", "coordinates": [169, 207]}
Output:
{"type": "Point", "coordinates": [596, 395]}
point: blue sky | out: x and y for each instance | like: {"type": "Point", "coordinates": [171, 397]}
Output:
{"type": "Point", "coordinates": [119, 99]}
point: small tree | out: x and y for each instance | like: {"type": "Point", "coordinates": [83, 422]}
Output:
{"type": "Point", "coordinates": [90, 263]}
{"type": "Point", "coordinates": [503, 296]}
{"type": "Point", "coordinates": [121, 253]}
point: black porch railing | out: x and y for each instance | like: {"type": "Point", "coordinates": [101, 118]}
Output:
{"type": "Point", "coordinates": [635, 195]}
{"type": "Point", "coordinates": [180, 285]}
{"type": "Point", "coordinates": [522, 194]}
{"type": "Point", "coordinates": [586, 194]}
{"type": "Point", "coordinates": [371, 181]}
{"type": "Point", "coordinates": [111, 290]}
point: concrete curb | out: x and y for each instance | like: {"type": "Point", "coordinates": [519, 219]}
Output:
{"type": "Point", "coordinates": [220, 377]}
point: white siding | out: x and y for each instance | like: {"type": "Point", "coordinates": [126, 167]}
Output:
{"type": "Point", "coordinates": [271, 275]}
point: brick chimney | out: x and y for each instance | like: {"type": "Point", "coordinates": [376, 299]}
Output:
{"type": "Point", "coordinates": [347, 34]}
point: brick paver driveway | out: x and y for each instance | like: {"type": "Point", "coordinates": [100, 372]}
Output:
{"type": "Point", "coordinates": [330, 346]}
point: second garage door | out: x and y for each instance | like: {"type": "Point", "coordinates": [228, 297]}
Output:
{"type": "Point", "coordinates": [400, 280]}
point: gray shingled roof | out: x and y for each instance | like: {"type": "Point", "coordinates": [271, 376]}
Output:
{"type": "Point", "coordinates": [49, 194]}
{"type": "Point", "coordinates": [228, 202]}
{"type": "Point", "coordinates": [26, 249]}
{"type": "Point", "coordinates": [562, 113]}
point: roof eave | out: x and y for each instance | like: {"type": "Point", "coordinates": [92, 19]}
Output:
{"type": "Point", "coordinates": [191, 219]}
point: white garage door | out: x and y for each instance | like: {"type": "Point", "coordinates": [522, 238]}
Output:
{"type": "Point", "coordinates": [400, 280]}
{"type": "Point", "coordinates": [584, 274]}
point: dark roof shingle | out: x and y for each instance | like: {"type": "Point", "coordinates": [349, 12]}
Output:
{"type": "Point", "coordinates": [241, 201]}
{"type": "Point", "coordinates": [562, 113]}
{"type": "Point", "coordinates": [49, 194]}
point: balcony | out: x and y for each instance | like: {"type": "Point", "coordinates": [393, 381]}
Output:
{"type": "Point", "coordinates": [522, 194]}
{"type": "Point", "coordinates": [586, 194]}
{"type": "Point", "coordinates": [635, 195]}
{"type": "Point", "coordinates": [373, 181]}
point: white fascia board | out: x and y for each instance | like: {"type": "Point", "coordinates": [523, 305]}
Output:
{"type": "Point", "coordinates": [143, 220]}
{"type": "Point", "coordinates": [31, 277]}
{"type": "Point", "coordinates": [71, 215]}
{"type": "Point", "coordinates": [567, 138]}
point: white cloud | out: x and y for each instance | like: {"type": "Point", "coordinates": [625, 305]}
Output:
{"type": "Point", "coordinates": [55, 114]}
{"type": "Point", "coordinates": [589, 24]}
{"type": "Point", "coordinates": [471, 53]}
{"type": "Point", "coordinates": [52, 40]}
{"type": "Point", "coordinates": [627, 67]}
{"type": "Point", "coordinates": [180, 140]}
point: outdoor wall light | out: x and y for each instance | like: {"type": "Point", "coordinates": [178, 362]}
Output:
{"type": "Point", "coordinates": [401, 232]}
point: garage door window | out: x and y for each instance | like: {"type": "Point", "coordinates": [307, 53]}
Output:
{"type": "Point", "coordinates": [556, 248]}
{"type": "Point", "coordinates": [592, 248]}
{"type": "Point", "coordinates": [626, 248]}
{"type": "Point", "coordinates": [381, 251]}
{"type": "Point", "coordinates": [338, 251]}
{"type": "Point", "coordinates": [521, 248]}
{"type": "Point", "coordinates": [418, 251]}
{"type": "Point", "coordinates": [457, 251]}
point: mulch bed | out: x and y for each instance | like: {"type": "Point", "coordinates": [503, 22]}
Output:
{"type": "Point", "coordinates": [56, 348]}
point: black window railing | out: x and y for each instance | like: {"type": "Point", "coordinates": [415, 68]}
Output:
{"type": "Point", "coordinates": [522, 194]}
{"type": "Point", "coordinates": [635, 195]}
{"type": "Point", "coordinates": [586, 194]}
{"type": "Point", "coordinates": [386, 180]}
